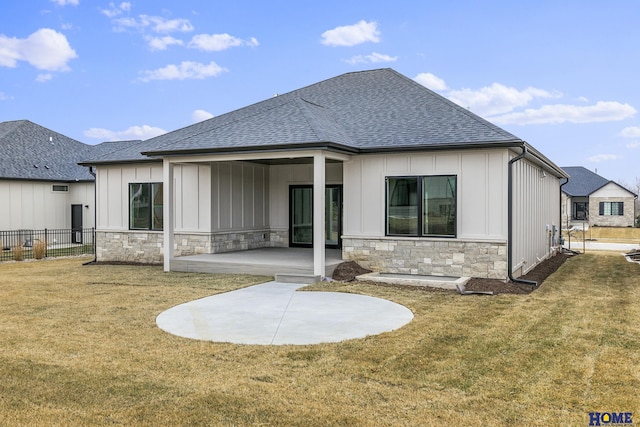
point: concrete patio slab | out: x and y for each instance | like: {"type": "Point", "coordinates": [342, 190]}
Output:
{"type": "Point", "coordinates": [261, 262]}
{"type": "Point", "coordinates": [275, 313]}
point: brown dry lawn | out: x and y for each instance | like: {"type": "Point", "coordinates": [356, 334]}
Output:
{"type": "Point", "coordinates": [79, 346]}
{"type": "Point", "coordinates": [610, 234]}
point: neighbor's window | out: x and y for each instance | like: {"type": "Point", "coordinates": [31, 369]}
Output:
{"type": "Point", "coordinates": [611, 208]}
{"type": "Point", "coordinates": [580, 211]}
{"type": "Point", "coordinates": [145, 206]}
{"type": "Point", "coordinates": [60, 188]}
{"type": "Point", "coordinates": [421, 206]}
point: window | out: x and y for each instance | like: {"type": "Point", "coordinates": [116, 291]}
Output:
{"type": "Point", "coordinates": [611, 208]}
{"type": "Point", "coordinates": [60, 188]}
{"type": "Point", "coordinates": [421, 206]}
{"type": "Point", "coordinates": [145, 206]}
{"type": "Point", "coordinates": [580, 211]}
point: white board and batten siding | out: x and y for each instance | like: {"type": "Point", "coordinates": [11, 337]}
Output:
{"type": "Point", "coordinates": [34, 205]}
{"type": "Point", "coordinates": [481, 190]}
{"type": "Point", "coordinates": [536, 211]}
{"type": "Point", "coordinates": [221, 196]}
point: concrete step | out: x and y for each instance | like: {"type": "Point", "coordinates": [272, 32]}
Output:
{"type": "Point", "coordinates": [305, 279]}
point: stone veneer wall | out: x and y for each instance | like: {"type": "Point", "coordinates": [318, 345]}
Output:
{"type": "Point", "coordinates": [428, 257]}
{"type": "Point", "coordinates": [147, 246]}
{"type": "Point", "coordinates": [626, 220]}
{"type": "Point", "coordinates": [130, 246]}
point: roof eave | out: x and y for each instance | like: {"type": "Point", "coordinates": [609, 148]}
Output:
{"type": "Point", "coordinates": [326, 145]}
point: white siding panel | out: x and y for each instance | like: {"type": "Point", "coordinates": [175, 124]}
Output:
{"type": "Point", "coordinates": [611, 190]}
{"type": "Point", "coordinates": [236, 196]}
{"type": "Point", "coordinates": [34, 205]}
{"type": "Point", "coordinates": [536, 211]}
{"type": "Point", "coordinates": [481, 176]}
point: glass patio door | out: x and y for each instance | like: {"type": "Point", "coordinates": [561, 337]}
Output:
{"type": "Point", "coordinates": [301, 215]}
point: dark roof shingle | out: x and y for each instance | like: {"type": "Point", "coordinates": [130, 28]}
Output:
{"type": "Point", "coordinates": [583, 182]}
{"type": "Point", "coordinates": [363, 111]}
{"type": "Point", "coordinates": [33, 152]}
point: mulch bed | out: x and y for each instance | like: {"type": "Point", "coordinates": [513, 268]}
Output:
{"type": "Point", "coordinates": [538, 274]}
{"type": "Point", "coordinates": [347, 271]}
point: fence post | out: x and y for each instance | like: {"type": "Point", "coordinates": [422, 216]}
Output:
{"type": "Point", "coordinates": [46, 242]}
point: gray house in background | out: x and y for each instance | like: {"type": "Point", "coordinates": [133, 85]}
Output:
{"type": "Point", "coordinates": [41, 184]}
{"type": "Point", "coordinates": [397, 177]}
{"type": "Point", "coordinates": [589, 198]}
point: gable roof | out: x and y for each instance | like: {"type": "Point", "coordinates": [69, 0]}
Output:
{"type": "Point", "coordinates": [366, 111]}
{"type": "Point", "coordinates": [32, 152]}
{"type": "Point", "coordinates": [583, 182]}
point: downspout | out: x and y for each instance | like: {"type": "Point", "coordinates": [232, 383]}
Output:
{"type": "Point", "coordinates": [510, 220]}
{"type": "Point", "coordinates": [95, 216]}
{"type": "Point", "coordinates": [560, 223]}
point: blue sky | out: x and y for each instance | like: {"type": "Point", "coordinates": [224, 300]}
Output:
{"type": "Point", "coordinates": [562, 75]}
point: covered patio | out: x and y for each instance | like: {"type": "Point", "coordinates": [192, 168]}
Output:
{"type": "Point", "coordinates": [305, 264]}
{"type": "Point", "coordinates": [285, 264]}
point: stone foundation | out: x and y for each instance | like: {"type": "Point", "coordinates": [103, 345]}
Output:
{"type": "Point", "coordinates": [147, 246]}
{"type": "Point", "coordinates": [130, 246]}
{"type": "Point", "coordinates": [428, 257]}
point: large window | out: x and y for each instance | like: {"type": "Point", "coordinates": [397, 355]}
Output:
{"type": "Point", "coordinates": [421, 206]}
{"type": "Point", "coordinates": [145, 206]}
{"type": "Point", "coordinates": [580, 211]}
{"type": "Point", "coordinates": [611, 208]}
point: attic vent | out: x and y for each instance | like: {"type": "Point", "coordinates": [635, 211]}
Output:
{"type": "Point", "coordinates": [60, 188]}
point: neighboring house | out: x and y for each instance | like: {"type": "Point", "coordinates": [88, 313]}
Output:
{"type": "Point", "coordinates": [591, 199]}
{"type": "Point", "coordinates": [41, 184]}
{"type": "Point", "coordinates": [398, 177]}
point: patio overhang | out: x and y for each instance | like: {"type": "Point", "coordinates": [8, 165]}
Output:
{"type": "Point", "coordinates": [318, 157]}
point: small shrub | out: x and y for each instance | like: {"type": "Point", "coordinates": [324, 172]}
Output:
{"type": "Point", "coordinates": [39, 249]}
{"type": "Point", "coordinates": [18, 253]}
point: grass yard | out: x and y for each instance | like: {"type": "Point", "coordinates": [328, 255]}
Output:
{"type": "Point", "coordinates": [79, 346]}
{"type": "Point", "coordinates": [610, 234]}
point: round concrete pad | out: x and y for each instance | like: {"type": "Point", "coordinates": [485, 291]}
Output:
{"type": "Point", "coordinates": [274, 313]}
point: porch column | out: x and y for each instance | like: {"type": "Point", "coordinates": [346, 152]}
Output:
{"type": "Point", "coordinates": [167, 212]}
{"type": "Point", "coordinates": [318, 214]}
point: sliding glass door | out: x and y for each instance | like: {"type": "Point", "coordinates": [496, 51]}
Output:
{"type": "Point", "coordinates": [301, 215]}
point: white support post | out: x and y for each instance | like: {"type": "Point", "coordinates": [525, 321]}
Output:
{"type": "Point", "coordinates": [318, 214]}
{"type": "Point", "coordinates": [167, 212]}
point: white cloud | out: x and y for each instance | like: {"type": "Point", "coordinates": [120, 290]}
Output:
{"type": "Point", "coordinates": [602, 111]}
{"type": "Point", "coordinates": [630, 132]}
{"type": "Point", "coordinates": [186, 70]}
{"type": "Point", "coordinates": [635, 144]}
{"type": "Point", "coordinates": [218, 42]}
{"type": "Point", "coordinates": [134, 132]}
{"type": "Point", "coordinates": [431, 81]}
{"type": "Point", "coordinates": [200, 115]}
{"type": "Point", "coordinates": [46, 49]}
{"type": "Point", "coordinates": [44, 77]}
{"type": "Point", "coordinates": [114, 10]}
{"type": "Point", "coordinates": [351, 35]}
{"type": "Point", "coordinates": [4, 97]}
{"type": "Point", "coordinates": [497, 98]}
{"type": "Point", "coordinates": [66, 2]}
{"type": "Point", "coordinates": [161, 43]}
{"type": "Point", "coordinates": [156, 24]}
{"type": "Point", "coordinates": [372, 58]}
{"type": "Point", "coordinates": [602, 157]}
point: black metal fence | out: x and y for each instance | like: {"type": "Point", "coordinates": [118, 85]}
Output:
{"type": "Point", "coordinates": [24, 244]}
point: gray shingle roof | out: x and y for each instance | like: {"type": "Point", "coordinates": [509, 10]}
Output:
{"type": "Point", "coordinates": [583, 182]}
{"type": "Point", "coordinates": [30, 151]}
{"type": "Point", "coordinates": [361, 111]}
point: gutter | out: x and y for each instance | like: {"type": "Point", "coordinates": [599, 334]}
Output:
{"type": "Point", "coordinates": [510, 220]}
